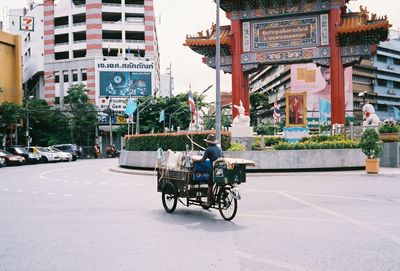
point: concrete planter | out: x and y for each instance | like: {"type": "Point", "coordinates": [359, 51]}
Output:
{"type": "Point", "coordinates": [390, 155]}
{"type": "Point", "coordinates": [270, 160]}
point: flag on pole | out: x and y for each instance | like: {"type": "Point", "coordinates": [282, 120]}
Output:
{"type": "Point", "coordinates": [396, 113]}
{"type": "Point", "coordinates": [191, 103]}
{"type": "Point", "coordinates": [276, 114]}
{"type": "Point", "coordinates": [162, 116]}
{"type": "Point", "coordinates": [131, 107]}
{"type": "Point", "coordinates": [324, 110]}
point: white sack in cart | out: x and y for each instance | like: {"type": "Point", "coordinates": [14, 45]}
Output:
{"type": "Point", "coordinates": [174, 160]}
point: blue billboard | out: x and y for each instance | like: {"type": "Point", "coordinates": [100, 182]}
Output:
{"type": "Point", "coordinates": [125, 84]}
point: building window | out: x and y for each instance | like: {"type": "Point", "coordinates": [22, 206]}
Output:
{"type": "Point", "coordinates": [382, 58]}
{"type": "Point", "coordinates": [75, 77]}
{"type": "Point", "coordinates": [396, 84]}
{"type": "Point", "coordinates": [361, 80]}
{"type": "Point", "coordinates": [396, 61]}
{"type": "Point", "coordinates": [382, 83]}
{"type": "Point", "coordinates": [65, 77]}
{"type": "Point", "coordinates": [57, 78]}
{"type": "Point", "coordinates": [84, 76]}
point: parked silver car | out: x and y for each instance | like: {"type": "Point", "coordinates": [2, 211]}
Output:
{"type": "Point", "coordinates": [47, 155]}
{"type": "Point", "coordinates": [64, 156]}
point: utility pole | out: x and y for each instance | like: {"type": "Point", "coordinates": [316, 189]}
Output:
{"type": "Point", "coordinates": [170, 79]}
{"type": "Point", "coordinates": [217, 77]}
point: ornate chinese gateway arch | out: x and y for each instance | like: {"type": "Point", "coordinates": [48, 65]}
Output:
{"type": "Point", "coordinates": [274, 32]}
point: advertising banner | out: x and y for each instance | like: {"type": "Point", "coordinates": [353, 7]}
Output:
{"type": "Point", "coordinates": [125, 84]}
{"type": "Point", "coordinates": [117, 80]}
{"type": "Point", "coordinates": [316, 82]}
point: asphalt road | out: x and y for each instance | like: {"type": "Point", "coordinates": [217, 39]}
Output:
{"type": "Point", "coordinates": [81, 216]}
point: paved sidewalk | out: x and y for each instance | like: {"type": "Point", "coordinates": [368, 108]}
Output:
{"type": "Point", "coordinates": [383, 171]}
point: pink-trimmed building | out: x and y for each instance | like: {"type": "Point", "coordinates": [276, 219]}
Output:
{"type": "Point", "coordinates": [84, 40]}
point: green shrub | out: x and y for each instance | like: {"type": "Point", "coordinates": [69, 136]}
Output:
{"type": "Point", "coordinates": [370, 143]}
{"type": "Point", "coordinates": [236, 147]}
{"type": "Point", "coordinates": [323, 138]}
{"type": "Point", "coordinates": [264, 129]}
{"type": "Point", "coordinates": [269, 141]}
{"type": "Point", "coordinates": [325, 144]}
{"type": "Point", "coordinates": [173, 141]}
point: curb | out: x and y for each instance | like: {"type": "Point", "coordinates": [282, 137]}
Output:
{"type": "Point", "coordinates": [383, 172]}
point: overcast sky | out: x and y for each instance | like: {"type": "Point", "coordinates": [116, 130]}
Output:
{"type": "Point", "coordinates": [176, 18]}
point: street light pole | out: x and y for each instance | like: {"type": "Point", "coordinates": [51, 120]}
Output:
{"type": "Point", "coordinates": [152, 101]}
{"type": "Point", "coordinates": [170, 117]}
{"type": "Point", "coordinates": [217, 77]}
{"type": "Point", "coordinates": [27, 123]}
{"type": "Point", "coordinates": [197, 107]}
{"type": "Point", "coordinates": [170, 79]}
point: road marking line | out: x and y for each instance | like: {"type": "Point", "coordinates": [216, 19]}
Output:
{"type": "Point", "coordinates": [34, 192]}
{"type": "Point", "coordinates": [65, 181]}
{"type": "Point", "coordinates": [19, 191]}
{"type": "Point", "coordinates": [67, 195]}
{"type": "Point", "coordinates": [89, 182]}
{"type": "Point", "coordinates": [291, 218]}
{"type": "Point", "coordinates": [340, 197]}
{"type": "Point", "coordinates": [76, 182]}
{"type": "Point", "coordinates": [392, 237]}
{"type": "Point", "coordinates": [121, 184]}
{"type": "Point", "coordinates": [139, 184]}
{"type": "Point", "coordinates": [6, 189]}
{"type": "Point", "coordinates": [280, 264]}
{"type": "Point", "coordinates": [103, 183]}
{"type": "Point", "coordinates": [50, 194]}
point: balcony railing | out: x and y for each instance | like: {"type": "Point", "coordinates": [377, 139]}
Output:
{"type": "Point", "coordinates": [113, 40]}
{"type": "Point", "coordinates": [61, 26]}
{"type": "Point", "coordinates": [134, 41]}
{"type": "Point", "coordinates": [134, 6]}
{"type": "Point", "coordinates": [112, 4]}
{"type": "Point", "coordinates": [61, 43]}
{"type": "Point", "coordinates": [78, 24]}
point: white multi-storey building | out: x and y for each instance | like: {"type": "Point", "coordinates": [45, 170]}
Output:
{"type": "Point", "coordinates": [32, 47]}
{"type": "Point", "coordinates": [108, 45]}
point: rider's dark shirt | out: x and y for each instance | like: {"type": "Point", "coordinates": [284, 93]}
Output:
{"type": "Point", "coordinates": [213, 152]}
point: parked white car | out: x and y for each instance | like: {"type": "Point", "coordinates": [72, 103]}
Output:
{"type": "Point", "coordinates": [47, 155]}
{"type": "Point", "coordinates": [64, 156]}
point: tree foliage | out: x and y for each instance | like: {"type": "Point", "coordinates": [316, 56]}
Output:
{"type": "Point", "coordinates": [258, 102]}
{"type": "Point", "coordinates": [83, 114]}
{"type": "Point", "coordinates": [10, 113]}
{"type": "Point", "coordinates": [48, 125]}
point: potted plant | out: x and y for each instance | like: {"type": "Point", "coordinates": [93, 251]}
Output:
{"type": "Point", "coordinates": [389, 131]}
{"type": "Point", "coordinates": [371, 145]}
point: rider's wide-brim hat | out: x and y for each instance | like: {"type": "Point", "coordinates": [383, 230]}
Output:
{"type": "Point", "coordinates": [211, 139]}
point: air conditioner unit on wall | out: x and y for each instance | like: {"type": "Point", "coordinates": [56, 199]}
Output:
{"type": "Point", "coordinates": [390, 67]}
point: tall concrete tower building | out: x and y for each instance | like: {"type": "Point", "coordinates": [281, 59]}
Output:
{"type": "Point", "coordinates": [109, 45]}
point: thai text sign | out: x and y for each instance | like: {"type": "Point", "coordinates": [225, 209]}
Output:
{"type": "Point", "coordinates": [286, 34]}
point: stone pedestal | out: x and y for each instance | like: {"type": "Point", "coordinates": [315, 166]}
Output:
{"type": "Point", "coordinates": [242, 135]}
{"type": "Point", "coordinates": [241, 131]}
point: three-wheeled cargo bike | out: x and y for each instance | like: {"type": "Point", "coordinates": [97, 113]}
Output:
{"type": "Point", "coordinates": [189, 185]}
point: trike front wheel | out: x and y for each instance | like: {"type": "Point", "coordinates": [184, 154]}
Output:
{"type": "Point", "coordinates": [227, 204]}
{"type": "Point", "coordinates": [169, 197]}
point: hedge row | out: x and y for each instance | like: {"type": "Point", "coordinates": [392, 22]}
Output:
{"type": "Point", "coordinates": [173, 141]}
{"type": "Point", "coordinates": [308, 145]}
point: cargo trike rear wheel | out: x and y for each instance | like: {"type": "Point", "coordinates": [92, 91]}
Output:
{"type": "Point", "coordinates": [169, 197]}
{"type": "Point", "coordinates": [227, 204]}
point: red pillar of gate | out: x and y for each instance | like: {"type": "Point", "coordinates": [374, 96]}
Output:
{"type": "Point", "coordinates": [337, 70]}
{"type": "Point", "coordinates": [237, 73]}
